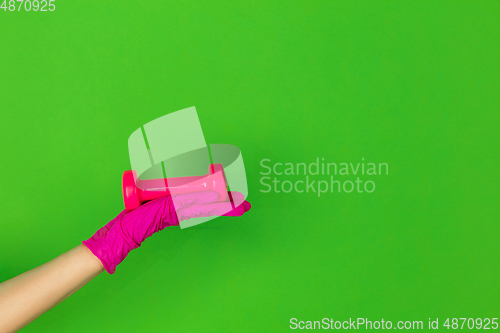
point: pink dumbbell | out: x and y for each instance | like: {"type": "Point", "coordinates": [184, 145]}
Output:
{"type": "Point", "coordinates": [136, 191]}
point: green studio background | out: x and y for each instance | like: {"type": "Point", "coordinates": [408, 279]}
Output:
{"type": "Point", "coordinates": [415, 84]}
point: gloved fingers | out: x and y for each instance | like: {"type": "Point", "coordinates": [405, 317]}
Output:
{"type": "Point", "coordinates": [240, 209]}
{"type": "Point", "coordinates": [213, 209]}
{"type": "Point", "coordinates": [246, 205]}
{"type": "Point", "coordinates": [194, 198]}
{"type": "Point", "coordinates": [204, 204]}
{"type": "Point", "coordinates": [205, 197]}
{"type": "Point", "coordinates": [238, 204]}
{"type": "Point", "coordinates": [237, 198]}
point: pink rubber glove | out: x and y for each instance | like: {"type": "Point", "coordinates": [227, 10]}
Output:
{"type": "Point", "coordinates": [112, 243]}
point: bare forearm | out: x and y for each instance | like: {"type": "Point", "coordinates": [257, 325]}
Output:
{"type": "Point", "coordinates": [27, 296]}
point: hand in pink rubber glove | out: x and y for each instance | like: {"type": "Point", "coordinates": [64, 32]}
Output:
{"type": "Point", "coordinates": [112, 243]}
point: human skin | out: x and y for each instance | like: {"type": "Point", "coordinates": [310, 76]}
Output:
{"type": "Point", "coordinates": [27, 296]}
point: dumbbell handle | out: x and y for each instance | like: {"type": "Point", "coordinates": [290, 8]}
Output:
{"type": "Point", "coordinates": [136, 191]}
